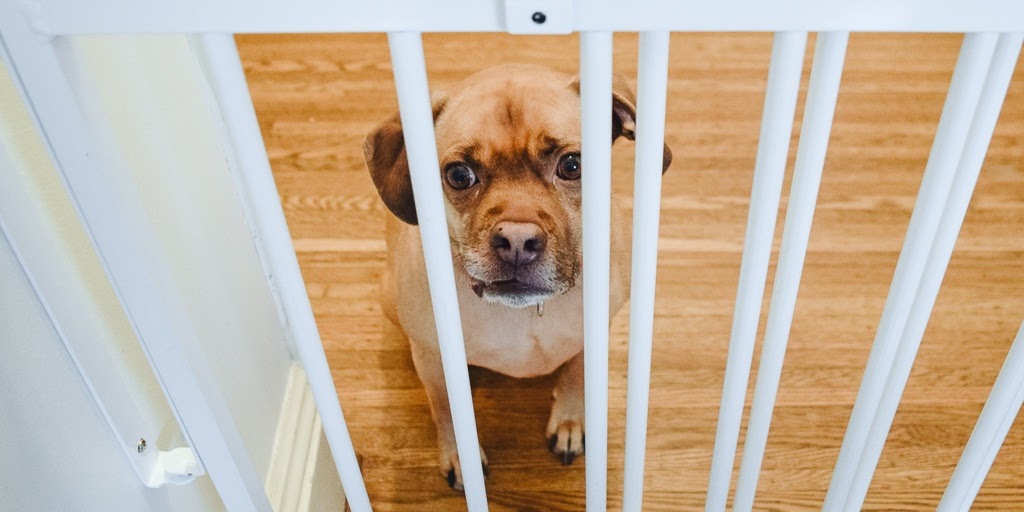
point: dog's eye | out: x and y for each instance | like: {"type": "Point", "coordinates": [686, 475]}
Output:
{"type": "Point", "coordinates": [569, 167]}
{"type": "Point", "coordinates": [459, 176]}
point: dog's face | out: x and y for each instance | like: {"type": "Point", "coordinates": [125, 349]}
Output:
{"type": "Point", "coordinates": [508, 141]}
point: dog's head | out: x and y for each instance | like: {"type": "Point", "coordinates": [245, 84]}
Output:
{"type": "Point", "coordinates": [508, 140]}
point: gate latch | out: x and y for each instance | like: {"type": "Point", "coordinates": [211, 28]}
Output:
{"type": "Point", "coordinates": [178, 466]}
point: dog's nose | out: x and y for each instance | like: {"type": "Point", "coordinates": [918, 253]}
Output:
{"type": "Point", "coordinates": [518, 243]}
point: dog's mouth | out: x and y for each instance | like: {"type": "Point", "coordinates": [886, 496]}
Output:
{"type": "Point", "coordinates": [512, 292]}
{"type": "Point", "coordinates": [506, 287]}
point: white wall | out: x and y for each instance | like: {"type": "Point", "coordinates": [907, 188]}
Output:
{"type": "Point", "coordinates": [148, 96]}
{"type": "Point", "coordinates": [56, 451]}
{"type": "Point", "coordinates": [54, 436]}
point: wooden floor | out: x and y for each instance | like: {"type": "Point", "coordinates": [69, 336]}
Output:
{"type": "Point", "coordinates": [317, 96]}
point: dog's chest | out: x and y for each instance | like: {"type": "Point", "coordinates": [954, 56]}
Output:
{"type": "Point", "coordinates": [522, 342]}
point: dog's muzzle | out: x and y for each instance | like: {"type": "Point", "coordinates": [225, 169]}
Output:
{"type": "Point", "coordinates": [520, 277]}
{"type": "Point", "coordinates": [518, 244]}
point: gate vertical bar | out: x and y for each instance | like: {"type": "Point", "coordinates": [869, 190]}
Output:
{"type": "Point", "coordinates": [982, 126]}
{"type": "Point", "coordinates": [1003, 405]}
{"type": "Point", "coordinates": [961, 100]}
{"type": "Point", "coordinates": [652, 84]}
{"type": "Point", "coordinates": [596, 124]}
{"type": "Point", "coordinates": [822, 93]}
{"type": "Point", "coordinates": [773, 149]}
{"type": "Point", "coordinates": [218, 56]}
{"type": "Point", "coordinates": [410, 72]}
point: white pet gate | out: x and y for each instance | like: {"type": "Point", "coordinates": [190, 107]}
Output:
{"type": "Point", "coordinates": [32, 33]}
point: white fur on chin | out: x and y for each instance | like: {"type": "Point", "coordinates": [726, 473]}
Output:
{"type": "Point", "coordinates": [518, 301]}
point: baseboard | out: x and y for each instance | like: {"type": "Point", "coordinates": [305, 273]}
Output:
{"type": "Point", "coordinates": [302, 476]}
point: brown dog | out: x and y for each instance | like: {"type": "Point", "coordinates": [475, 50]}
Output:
{"type": "Point", "coordinates": [508, 140]}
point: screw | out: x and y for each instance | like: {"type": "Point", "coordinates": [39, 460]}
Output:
{"type": "Point", "coordinates": [142, 445]}
{"type": "Point", "coordinates": [539, 17]}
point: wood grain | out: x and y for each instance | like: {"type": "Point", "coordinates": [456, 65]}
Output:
{"type": "Point", "coordinates": [317, 96]}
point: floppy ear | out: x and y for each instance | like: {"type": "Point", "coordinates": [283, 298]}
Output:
{"type": "Point", "coordinates": [384, 151]}
{"type": "Point", "coordinates": [624, 114]}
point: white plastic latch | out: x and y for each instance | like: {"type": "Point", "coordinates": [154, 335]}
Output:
{"type": "Point", "coordinates": [538, 16]}
{"type": "Point", "coordinates": [178, 466]}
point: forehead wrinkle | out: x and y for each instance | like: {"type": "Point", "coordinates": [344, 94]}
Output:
{"type": "Point", "coordinates": [465, 151]}
{"type": "Point", "coordinates": [513, 113]}
{"type": "Point", "coordinates": [501, 152]}
{"type": "Point", "coordinates": [518, 155]}
{"type": "Point", "coordinates": [510, 127]}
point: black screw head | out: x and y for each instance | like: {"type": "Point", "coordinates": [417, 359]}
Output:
{"type": "Point", "coordinates": [539, 17]}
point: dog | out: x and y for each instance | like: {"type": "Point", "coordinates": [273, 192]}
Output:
{"type": "Point", "coordinates": [508, 142]}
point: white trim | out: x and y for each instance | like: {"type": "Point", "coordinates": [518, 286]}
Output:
{"type": "Point", "coordinates": [301, 477]}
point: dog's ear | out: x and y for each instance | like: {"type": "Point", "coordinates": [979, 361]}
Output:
{"type": "Point", "coordinates": [624, 114]}
{"type": "Point", "coordinates": [623, 109]}
{"type": "Point", "coordinates": [384, 151]}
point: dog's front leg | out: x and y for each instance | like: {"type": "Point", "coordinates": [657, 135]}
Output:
{"type": "Point", "coordinates": [428, 366]}
{"type": "Point", "coordinates": [566, 432]}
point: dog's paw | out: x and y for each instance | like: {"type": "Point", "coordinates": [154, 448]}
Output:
{"type": "Point", "coordinates": [568, 441]}
{"type": "Point", "coordinates": [451, 469]}
{"type": "Point", "coordinates": [567, 437]}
